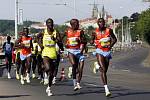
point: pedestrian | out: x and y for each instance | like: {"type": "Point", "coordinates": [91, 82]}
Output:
{"type": "Point", "coordinates": [17, 59]}
{"type": "Point", "coordinates": [75, 45]}
{"type": "Point", "coordinates": [34, 56]}
{"type": "Point", "coordinates": [25, 43]}
{"type": "Point", "coordinates": [7, 48]}
{"type": "Point", "coordinates": [49, 38]}
{"type": "Point", "coordinates": [104, 40]}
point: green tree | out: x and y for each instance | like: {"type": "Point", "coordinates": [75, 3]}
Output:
{"type": "Point", "coordinates": [88, 32]}
{"type": "Point", "coordinates": [7, 27]}
{"type": "Point", "coordinates": [142, 26]}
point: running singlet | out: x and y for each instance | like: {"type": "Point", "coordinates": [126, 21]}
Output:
{"type": "Point", "coordinates": [49, 45]}
{"type": "Point", "coordinates": [26, 41]}
{"type": "Point", "coordinates": [8, 48]}
{"type": "Point", "coordinates": [103, 40]}
{"type": "Point", "coordinates": [73, 39]}
{"type": "Point", "coordinates": [34, 47]}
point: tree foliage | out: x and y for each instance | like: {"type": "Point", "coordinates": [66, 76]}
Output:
{"type": "Point", "coordinates": [7, 27]}
{"type": "Point", "coordinates": [142, 25]}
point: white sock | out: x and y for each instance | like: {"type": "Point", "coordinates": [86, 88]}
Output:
{"type": "Point", "coordinates": [106, 88]}
{"type": "Point", "coordinates": [74, 82]}
{"type": "Point", "coordinates": [45, 74]}
{"type": "Point", "coordinates": [48, 88]}
{"type": "Point", "coordinates": [54, 78]}
{"type": "Point", "coordinates": [27, 74]}
{"type": "Point", "coordinates": [78, 83]}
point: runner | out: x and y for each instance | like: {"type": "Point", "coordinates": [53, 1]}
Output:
{"type": "Point", "coordinates": [104, 40]}
{"type": "Point", "coordinates": [75, 45]}
{"type": "Point", "coordinates": [18, 60]}
{"type": "Point", "coordinates": [48, 45]}
{"type": "Point", "coordinates": [40, 64]}
{"type": "Point", "coordinates": [56, 63]}
{"type": "Point", "coordinates": [7, 48]}
{"type": "Point", "coordinates": [34, 56]}
{"type": "Point", "coordinates": [25, 43]}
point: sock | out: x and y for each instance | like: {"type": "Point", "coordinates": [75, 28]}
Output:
{"type": "Point", "coordinates": [45, 74]}
{"type": "Point", "coordinates": [48, 88]}
{"type": "Point", "coordinates": [74, 82]}
{"type": "Point", "coordinates": [78, 83]}
{"type": "Point", "coordinates": [27, 74]}
{"type": "Point", "coordinates": [106, 88]}
{"type": "Point", "coordinates": [54, 78]}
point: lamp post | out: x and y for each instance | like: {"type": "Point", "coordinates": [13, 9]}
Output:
{"type": "Point", "coordinates": [122, 34]}
{"type": "Point", "coordinates": [16, 18]}
{"type": "Point", "coordinates": [74, 8]}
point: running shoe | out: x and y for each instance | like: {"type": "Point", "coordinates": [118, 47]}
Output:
{"type": "Point", "coordinates": [46, 81]}
{"type": "Point", "coordinates": [9, 77]}
{"type": "Point", "coordinates": [22, 80]}
{"type": "Point", "coordinates": [78, 85]}
{"type": "Point", "coordinates": [54, 80]}
{"type": "Point", "coordinates": [33, 75]}
{"type": "Point", "coordinates": [17, 76]}
{"type": "Point", "coordinates": [48, 91]}
{"type": "Point", "coordinates": [75, 88]}
{"type": "Point", "coordinates": [107, 94]}
{"type": "Point", "coordinates": [28, 78]}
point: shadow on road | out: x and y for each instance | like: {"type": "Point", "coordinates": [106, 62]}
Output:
{"type": "Point", "coordinates": [115, 95]}
{"type": "Point", "coordinates": [1, 70]}
{"type": "Point", "coordinates": [13, 96]}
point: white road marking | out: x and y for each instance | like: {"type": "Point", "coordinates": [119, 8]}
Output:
{"type": "Point", "coordinates": [90, 84]}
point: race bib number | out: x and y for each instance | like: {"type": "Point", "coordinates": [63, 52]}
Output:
{"type": "Point", "coordinates": [49, 42]}
{"type": "Point", "coordinates": [105, 42]}
{"type": "Point", "coordinates": [8, 47]}
{"type": "Point", "coordinates": [73, 41]}
{"type": "Point", "coordinates": [26, 43]}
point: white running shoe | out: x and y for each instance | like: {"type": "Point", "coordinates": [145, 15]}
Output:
{"type": "Point", "coordinates": [46, 81]}
{"type": "Point", "coordinates": [28, 78]}
{"type": "Point", "coordinates": [17, 76]}
{"type": "Point", "coordinates": [54, 80]}
{"type": "Point", "coordinates": [75, 88]}
{"type": "Point", "coordinates": [95, 67]}
{"type": "Point", "coordinates": [33, 76]}
{"type": "Point", "coordinates": [42, 80]}
{"type": "Point", "coordinates": [70, 72]}
{"type": "Point", "coordinates": [39, 77]}
{"type": "Point", "coordinates": [22, 80]}
{"type": "Point", "coordinates": [9, 77]}
{"type": "Point", "coordinates": [48, 91]}
{"type": "Point", "coordinates": [107, 94]}
{"type": "Point", "coordinates": [78, 85]}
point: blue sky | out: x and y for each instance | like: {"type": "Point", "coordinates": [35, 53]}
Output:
{"type": "Point", "coordinates": [40, 10]}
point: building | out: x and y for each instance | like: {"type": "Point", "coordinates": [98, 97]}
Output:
{"type": "Point", "coordinates": [92, 21]}
{"type": "Point", "coordinates": [38, 26]}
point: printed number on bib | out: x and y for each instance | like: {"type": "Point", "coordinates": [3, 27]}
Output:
{"type": "Point", "coordinates": [105, 42]}
{"type": "Point", "coordinates": [73, 41]}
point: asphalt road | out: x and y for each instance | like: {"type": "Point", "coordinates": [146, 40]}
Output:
{"type": "Point", "coordinates": [128, 79]}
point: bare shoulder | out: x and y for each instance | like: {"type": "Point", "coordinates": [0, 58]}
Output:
{"type": "Point", "coordinates": [40, 34]}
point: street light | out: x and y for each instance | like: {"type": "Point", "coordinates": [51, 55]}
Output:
{"type": "Point", "coordinates": [122, 35]}
{"type": "Point", "coordinates": [74, 8]}
{"type": "Point", "coordinates": [16, 18]}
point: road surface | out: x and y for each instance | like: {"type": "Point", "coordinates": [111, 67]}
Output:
{"type": "Point", "coordinates": [128, 80]}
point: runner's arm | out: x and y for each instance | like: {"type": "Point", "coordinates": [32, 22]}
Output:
{"type": "Point", "coordinates": [92, 38]}
{"type": "Point", "coordinates": [59, 41]}
{"type": "Point", "coordinates": [40, 40]}
{"type": "Point", "coordinates": [113, 38]}
{"type": "Point", "coordinates": [83, 41]}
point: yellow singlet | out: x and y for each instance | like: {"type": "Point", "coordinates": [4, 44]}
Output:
{"type": "Point", "coordinates": [49, 45]}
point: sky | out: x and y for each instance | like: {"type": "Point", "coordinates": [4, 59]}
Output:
{"type": "Point", "coordinates": [40, 10]}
